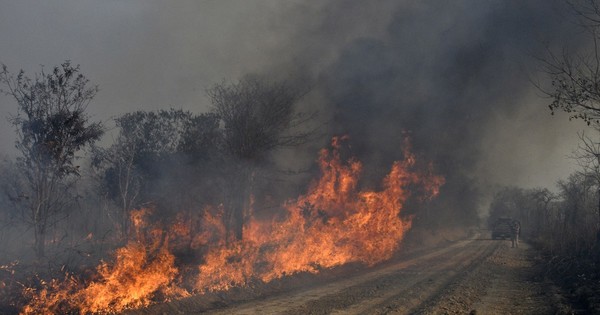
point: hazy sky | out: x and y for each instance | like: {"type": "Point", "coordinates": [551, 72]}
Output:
{"type": "Point", "coordinates": [423, 60]}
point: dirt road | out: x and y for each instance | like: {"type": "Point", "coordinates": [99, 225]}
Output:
{"type": "Point", "coordinates": [471, 276]}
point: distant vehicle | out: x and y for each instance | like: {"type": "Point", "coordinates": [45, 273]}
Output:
{"type": "Point", "coordinates": [501, 228]}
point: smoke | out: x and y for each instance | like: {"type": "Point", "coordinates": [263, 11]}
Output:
{"type": "Point", "coordinates": [455, 76]}
{"type": "Point", "coordinates": [451, 74]}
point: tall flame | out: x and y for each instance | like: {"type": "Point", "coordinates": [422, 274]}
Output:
{"type": "Point", "coordinates": [334, 223]}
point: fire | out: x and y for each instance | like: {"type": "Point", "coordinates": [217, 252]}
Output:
{"type": "Point", "coordinates": [142, 269]}
{"type": "Point", "coordinates": [334, 223]}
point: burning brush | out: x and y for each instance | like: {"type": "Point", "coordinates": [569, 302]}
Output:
{"type": "Point", "coordinates": [333, 224]}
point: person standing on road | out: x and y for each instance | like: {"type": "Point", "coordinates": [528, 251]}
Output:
{"type": "Point", "coordinates": [515, 230]}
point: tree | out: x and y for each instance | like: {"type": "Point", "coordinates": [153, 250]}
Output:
{"type": "Point", "coordinates": [258, 117]}
{"type": "Point", "coordinates": [508, 202]}
{"type": "Point", "coordinates": [542, 199]}
{"type": "Point", "coordinates": [587, 157]}
{"type": "Point", "coordinates": [51, 126]}
{"type": "Point", "coordinates": [575, 77]}
{"type": "Point", "coordinates": [146, 151]}
{"type": "Point", "coordinates": [530, 206]}
{"type": "Point", "coordinates": [575, 87]}
{"type": "Point", "coordinates": [578, 207]}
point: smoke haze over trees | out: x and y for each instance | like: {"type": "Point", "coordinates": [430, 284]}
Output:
{"type": "Point", "coordinates": [227, 104]}
{"type": "Point", "coordinates": [453, 76]}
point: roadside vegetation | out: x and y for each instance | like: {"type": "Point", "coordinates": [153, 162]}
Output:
{"type": "Point", "coordinates": [171, 189]}
{"type": "Point", "coordinates": [66, 198]}
{"type": "Point", "coordinates": [564, 221]}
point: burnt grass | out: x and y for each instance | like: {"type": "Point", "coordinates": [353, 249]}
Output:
{"type": "Point", "coordinates": [10, 291]}
{"type": "Point", "coordinates": [17, 281]}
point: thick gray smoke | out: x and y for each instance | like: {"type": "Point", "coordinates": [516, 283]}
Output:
{"type": "Point", "coordinates": [452, 74]}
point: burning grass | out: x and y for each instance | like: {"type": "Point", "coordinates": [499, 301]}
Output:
{"type": "Point", "coordinates": [333, 224]}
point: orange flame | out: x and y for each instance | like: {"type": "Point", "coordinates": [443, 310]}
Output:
{"type": "Point", "coordinates": [142, 269]}
{"type": "Point", "coordinates": [334, 223]}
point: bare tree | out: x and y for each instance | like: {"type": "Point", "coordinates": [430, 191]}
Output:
{"type": "Point", "coordinates": [575, 87]}
{"type": "Point", "coordinates": [575, 77]}
{"type": "Point", "coordinates": [51, 126]}
{"type": "Point", "coordinates": [117, 163]}
{"type": "Point", "coordinates": [258, 117]}
{"type": "Point", "coordinates": [587, 157]}
{"type": "Point", "coordinates": [542, 199]}
{"type": "Point", "coordinates": [578, 205]}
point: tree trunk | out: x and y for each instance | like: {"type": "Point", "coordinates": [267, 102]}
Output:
{"type": "Point", "coordinates": [232, 220]}
{"type": "Point", "coordinates": [40, 241]}
{"type": "Point", "coordinates": [238, 218]}
{"type": "Point", "coordinates": [239, 195]}
{"type": "Point", "coordinates": [598, 232]}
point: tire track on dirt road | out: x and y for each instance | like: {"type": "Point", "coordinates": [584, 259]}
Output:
{"type": "Point", "coordinates": [401, 285]}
